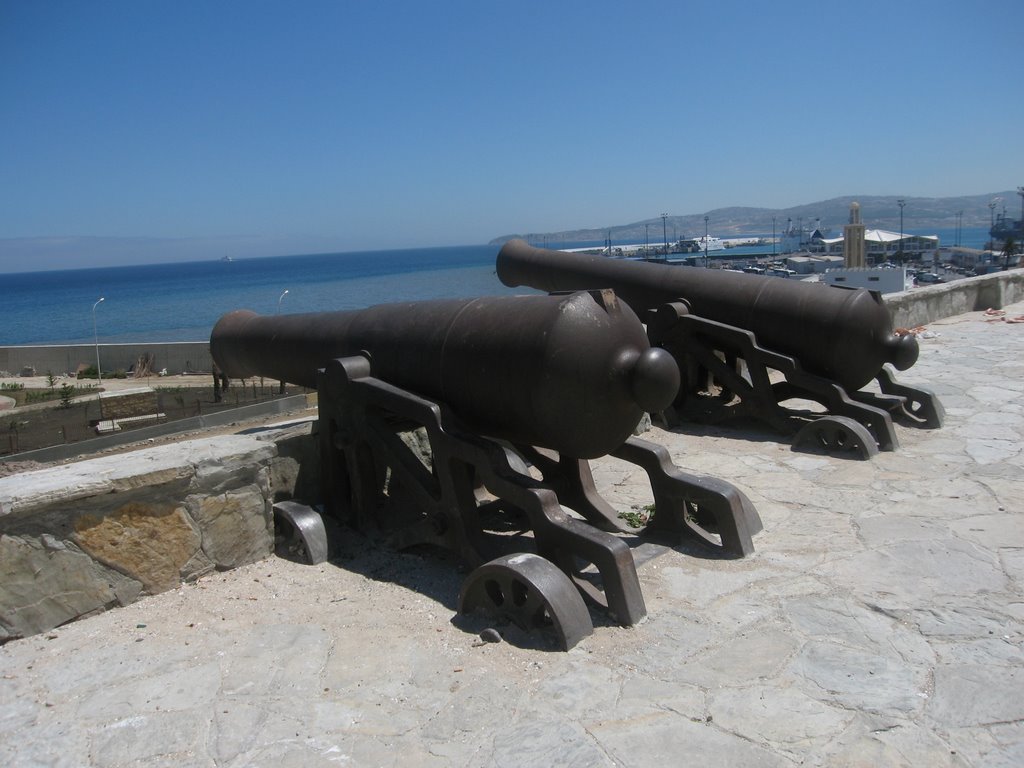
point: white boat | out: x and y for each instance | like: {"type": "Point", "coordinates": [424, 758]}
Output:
{"type": "Point", "coordinates": [711, 242]}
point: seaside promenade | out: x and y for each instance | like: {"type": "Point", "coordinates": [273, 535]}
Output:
{"type": "Point", "coordinates": [879, 623]}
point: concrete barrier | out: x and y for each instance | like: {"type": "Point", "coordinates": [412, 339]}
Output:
{"type": "Point", "coordinates": [177, 357]}
{"type": "Point", "coordinates": [140, 435]}
{"type": "Point", "coordinates": [923, 305]}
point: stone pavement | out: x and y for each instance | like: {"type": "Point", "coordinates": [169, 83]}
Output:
{"type": "Point", "coordinates": [879, 623]}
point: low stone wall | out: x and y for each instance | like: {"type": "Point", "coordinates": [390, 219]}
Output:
{"type": "Point", "coordinates": [923, 305]}
{"type": "Point", "coordinates": [84, 537]}
{"type": "Point", "coordinates": [177, 357]}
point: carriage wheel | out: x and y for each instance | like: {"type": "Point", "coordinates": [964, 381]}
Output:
{"type": "Point", "coordinates": [532, 593]}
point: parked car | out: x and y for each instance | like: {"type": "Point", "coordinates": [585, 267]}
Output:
{"type": "Point", "coordinates": [929, 277]}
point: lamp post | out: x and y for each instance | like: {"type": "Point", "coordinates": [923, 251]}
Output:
{"type": "Point", "coordinates": [773, 238]}
{"type": "Point", "coordinates": [901, 202]}
{"type": "Point", "coordinates": [280, 384]}
{"type": "Point", "coordinates": [706, 242]}
{"type": "Point", "coordinates": [991, 222]}
{"type": "Point", "coordinates": [664, 232]}
{"type": "Point", "coordinates": [96, 341]}
{"type": "Point", "coordinates": [647, 241]}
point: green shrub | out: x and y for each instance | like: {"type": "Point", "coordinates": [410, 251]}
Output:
{"type": "Point", "coordinates": [66, 393]}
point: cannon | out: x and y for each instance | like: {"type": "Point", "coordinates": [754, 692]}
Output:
{"type": "Point", "coordinates": [796, 340]}
{"type": "Point", "coordinates": [514, 395]}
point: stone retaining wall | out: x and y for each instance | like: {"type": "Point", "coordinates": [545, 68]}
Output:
{"type": "Point", "coordinates": [80, 538]}
{"type": "Point", "coordinates": [177, 357]}
{"type": "Point", "coordinates": [923, 305]}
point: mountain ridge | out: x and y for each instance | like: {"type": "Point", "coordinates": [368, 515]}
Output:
{"type": "Point", "coordinates": [876, 211]}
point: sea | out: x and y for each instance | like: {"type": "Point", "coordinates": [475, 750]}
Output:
{"type": "Point", "coordinates": [183, 301]}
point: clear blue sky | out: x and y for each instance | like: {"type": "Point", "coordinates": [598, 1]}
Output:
{"type": "Point", "coordinates": [280, 127]}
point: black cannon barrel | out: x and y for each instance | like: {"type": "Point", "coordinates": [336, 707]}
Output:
{"type": "Point", "coordinates": [569, 372]}
{"type": "Point", "coordinates": [842, 334]}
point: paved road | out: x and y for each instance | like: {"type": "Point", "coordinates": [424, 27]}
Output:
{"type": "Point", "coordinates": [878, 624]}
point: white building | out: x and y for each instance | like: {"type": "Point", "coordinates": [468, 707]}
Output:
{"type": "Point", "coordinates": [807, 264]}
{"type": "Point", "coordinates": [872, 278]}
{"type": "Point", "coordinates": [880, 245]}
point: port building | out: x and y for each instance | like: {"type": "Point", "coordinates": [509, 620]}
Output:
{"type": "Point", "coordinates": [879, 245]}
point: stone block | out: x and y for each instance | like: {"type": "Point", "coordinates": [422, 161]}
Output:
{"type": "Point", "coordinates": [151, 543]}
{"type": "Point", "coordinates": [84, 537]}
{"type": "Point", "coordinates": [237, 526]}
{"type": "Point", "coordinates": [45, 582]}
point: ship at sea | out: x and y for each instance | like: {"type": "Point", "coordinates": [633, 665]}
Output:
{"type": "Point", "coordinates": [1006, 228]}
{"type": "Point", "coordinates": [797, 235]}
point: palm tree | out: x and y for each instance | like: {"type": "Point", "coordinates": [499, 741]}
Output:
{"type": "Point", "coordinates": [1009, 249]}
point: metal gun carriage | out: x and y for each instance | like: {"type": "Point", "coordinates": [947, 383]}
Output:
{"type": "Point", "coordinates": [515, 394]}
{"type": "Point", "coordinates": [794, 339]}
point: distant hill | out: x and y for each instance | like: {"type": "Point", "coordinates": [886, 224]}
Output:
{"type": "Point", "coordinates": [876, 211]}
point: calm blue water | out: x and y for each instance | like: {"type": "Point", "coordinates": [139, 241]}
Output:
{"type": "Point", "coordinates": [181, 302]}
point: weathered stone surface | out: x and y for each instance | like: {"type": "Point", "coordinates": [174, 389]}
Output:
{"type": "Point", "coordinates": [45, 583]}
{"type": "Point", "coordinates": [554, 740]}
{"type": "Point", "coordinates": [775, 715]}
{"type": "Point", "coordinates": [656, 739]}
{"type": "Point", "coordinates": [237, 526]}
{"type": "Point", "coordinates": [751, 656]}
{"type": "Point", "coordinates": [993, 531]}
{"type": "Point", "coordinates": [229, 462]}
{"type": "Point", "coordinates": [179, 689]}
{"type": "Point", "coordinates": [147, 737]}
{"type": "Point", "coordinates": [287, 654]}
{"type": "Point", "coordinates": [42, 488]}
{"type": "Point", "coordinates": [858, 626]}
{"type": "Point", "coordinates": [60, 744]}
{"type": "Point", "coordinates": [859, 679]}
{"type": "Point", "coordinates": [977, 695]}
{"type": "Point", "coordinates": [97, 533]}
{"type": "Point", "coordinates": [888, 741]}
{"type": "Point", "coordinates": [151, 543]}
{"type": "Point", "coordinates": [996, 746]}
{"type": "Point", "coordinates": [910, 571]}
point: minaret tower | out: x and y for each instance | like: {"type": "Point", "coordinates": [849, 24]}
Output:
{"type": "Point", "coordinates": [853, 239]}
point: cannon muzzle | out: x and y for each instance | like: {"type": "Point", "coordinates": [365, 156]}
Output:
{"type": "Point", "coordinates": [841, 334]}
{"type": "Point", "coordinates": [570, 372]}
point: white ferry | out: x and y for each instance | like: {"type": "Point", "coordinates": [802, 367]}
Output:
{"type": "Point", "coordinates": [711, 242]}
{"type": "Point", "coordinates": [696, 244]}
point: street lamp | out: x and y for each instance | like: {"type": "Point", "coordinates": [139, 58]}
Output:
{"type": "Point", "coordinates": [664, 231]}
{"type": "Point", "coordinates": [96, 341]}
{"type": "Point", "coordinates": [706, 242]}
{"type": "Point", "coordinates": [991, 222]}
{"type": "Point", "coordinates": [647, 241]}
{"type": "Point", "coordinates": [901, 203]}
{"type": "Point", "coordinates": [773, 238]}
{"type": "Point", "coordinates": [280, 385]}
